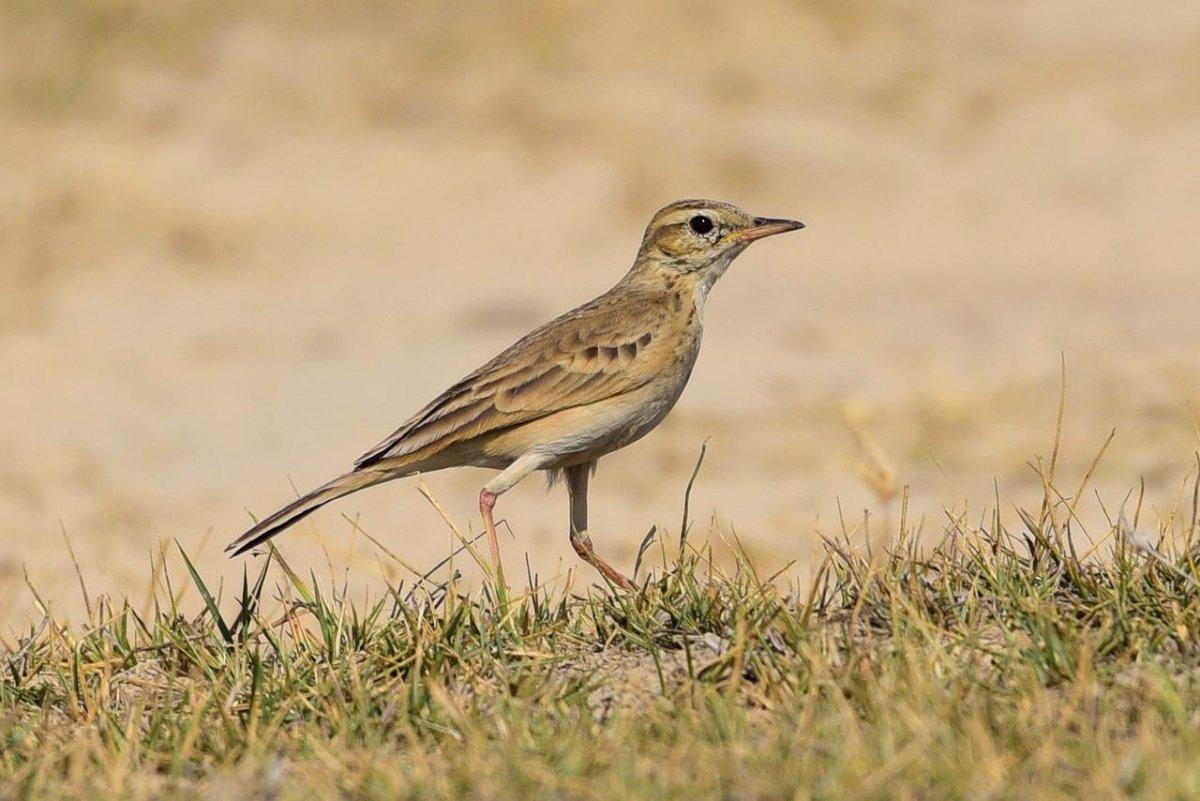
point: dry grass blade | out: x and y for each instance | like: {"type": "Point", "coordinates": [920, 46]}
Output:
{"type": "Point", "coordinates": [87, 597]}
{"type": "Point", "coordinates": [687, 496]}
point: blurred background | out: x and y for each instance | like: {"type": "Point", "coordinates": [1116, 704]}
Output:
{"type": "Point", "coordinates": [241, 242]}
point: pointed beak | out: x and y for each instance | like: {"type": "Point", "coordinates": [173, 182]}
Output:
{"type": "Point", "coordinates": [764, 227]}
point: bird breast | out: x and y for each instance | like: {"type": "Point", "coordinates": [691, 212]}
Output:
{"type": "Point", "coordinates": [656, 371]}
{"type": "Point", "coordinates": [612, 424]}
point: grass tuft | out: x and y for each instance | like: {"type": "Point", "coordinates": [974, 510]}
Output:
{"type": "Point", "coordinates": [995, 662]}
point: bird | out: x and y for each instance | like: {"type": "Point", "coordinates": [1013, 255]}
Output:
{"type": "Point", "coordinates": [585, 384]}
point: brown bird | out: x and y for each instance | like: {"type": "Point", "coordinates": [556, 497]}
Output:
{"type": "Point", "coordinates": [594, 380]}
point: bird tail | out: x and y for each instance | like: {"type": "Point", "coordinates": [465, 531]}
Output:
{"type": "Point", "coordinates": [301, 508]}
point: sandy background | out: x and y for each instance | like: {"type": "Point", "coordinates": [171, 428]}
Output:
{"type": "Point", "coordinates": [239, 243]}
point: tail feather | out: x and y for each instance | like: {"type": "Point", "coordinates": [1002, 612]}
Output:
{"type": "Point", "coordinates": [301, 508]}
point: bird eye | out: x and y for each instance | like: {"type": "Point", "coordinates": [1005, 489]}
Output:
{"type": "Point", "coordinates": [701, 224]}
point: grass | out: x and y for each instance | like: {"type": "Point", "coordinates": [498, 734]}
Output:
{"type": "Point", "coordinates": [997, 663]}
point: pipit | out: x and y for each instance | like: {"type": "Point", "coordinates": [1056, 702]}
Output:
{"type": "Point", "coordinates": [594, 380]}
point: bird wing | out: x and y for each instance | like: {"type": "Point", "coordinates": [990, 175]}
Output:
{"type": "Point", "coordinates": [590, 354]}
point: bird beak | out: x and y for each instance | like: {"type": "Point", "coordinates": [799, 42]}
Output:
{"type": "Point", "coordinates": [764, 227]}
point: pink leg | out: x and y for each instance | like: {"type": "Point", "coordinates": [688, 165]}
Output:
{"type": "Point", "coordinates": [487, 502]}
{"type": "Point", "coordinates": [583, 547]}
{"type": "Point", "coordinates": [577, 486]}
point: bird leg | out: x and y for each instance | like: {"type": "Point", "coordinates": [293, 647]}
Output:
{"type": "Point", "coordinates": [505, 481]}
{"type": "Point", "coordinates": [487, 502]}
{"type": "Point", "coordinates": [577, 486]}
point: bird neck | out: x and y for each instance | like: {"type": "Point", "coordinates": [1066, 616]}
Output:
{"type": "Point", "coordinates": [655, 274]}
{"type": "Point", "coordinates": [649, 277]}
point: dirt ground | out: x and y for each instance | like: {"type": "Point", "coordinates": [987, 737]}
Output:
{"type": "Point", "coordinates": [240, 243]}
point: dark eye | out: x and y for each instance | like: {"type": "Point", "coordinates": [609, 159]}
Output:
{"type": "Point", "coordinates": [701, 224]}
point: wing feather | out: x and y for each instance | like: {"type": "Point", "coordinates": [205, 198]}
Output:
{"type": "Point", "coordinates": [590, 354]}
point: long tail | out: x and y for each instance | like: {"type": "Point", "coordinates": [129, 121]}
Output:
{"type": "Point", "coordinates": [301, 508]}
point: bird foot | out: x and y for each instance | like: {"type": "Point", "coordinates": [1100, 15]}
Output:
{"type": "Point", "coordinates": [583, 547]}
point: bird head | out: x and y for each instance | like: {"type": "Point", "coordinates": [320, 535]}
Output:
{"type": "Point", "coordinates": [700, 238]}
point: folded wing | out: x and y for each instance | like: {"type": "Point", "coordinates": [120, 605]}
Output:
{"type": "Point", "coordinates": [593, 353]}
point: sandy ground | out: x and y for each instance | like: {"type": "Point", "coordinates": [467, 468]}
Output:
{"type": "Point", "coordinates": [239, 245]}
